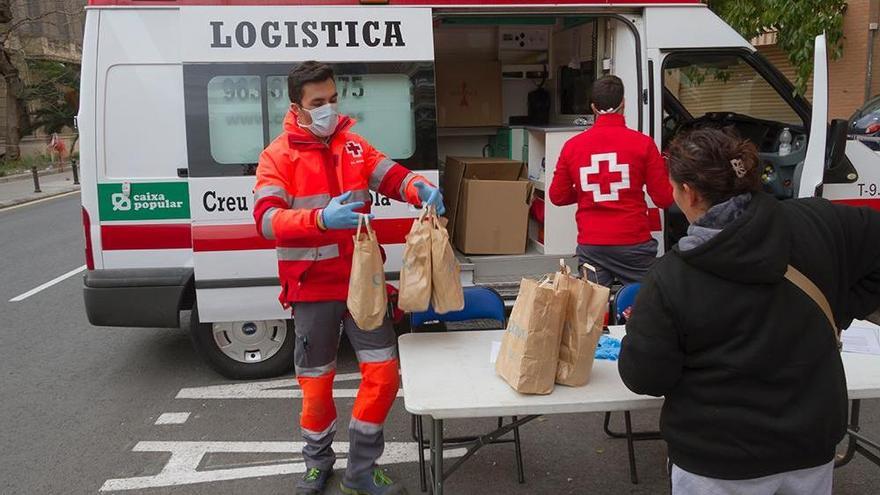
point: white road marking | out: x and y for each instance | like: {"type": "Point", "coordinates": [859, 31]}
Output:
{"type": "Point", "coordinates": [22, 297]}
{"type": "Point", "coordinates": [175, 418]}
{"type": "Point", "coordinates": [29, 203]}
{"type": "Point", "coordinates": [285, 388]}
{"type": "Point", "coordinates": [182, 466]}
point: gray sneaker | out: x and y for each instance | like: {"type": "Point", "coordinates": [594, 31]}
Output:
{"type": "Point", "coordinates": [374, 483]}
{"type": "Point", "coordinates": [313, 482]}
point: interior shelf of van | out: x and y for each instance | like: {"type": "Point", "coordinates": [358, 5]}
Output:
{"type": "Point", "coordinates": [467, 131]}
{"type": "Point", "coordinates": [494, 78]}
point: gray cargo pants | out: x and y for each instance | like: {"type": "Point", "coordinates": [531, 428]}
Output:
{"type": "Point", "coordinates": [319, 327]}
{"type": "Point", "coordinates": [629, 264]}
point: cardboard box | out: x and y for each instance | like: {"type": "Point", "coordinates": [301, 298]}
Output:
{"type": "Point", "coordinates": [487, 204]}
{"type": "Point", "coordinates": [468, 94]}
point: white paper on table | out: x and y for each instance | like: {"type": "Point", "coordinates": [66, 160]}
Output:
{"type": "Point", "coordinates": [493, 353]}
{"type": "Point", "coordinates": [861, 338]}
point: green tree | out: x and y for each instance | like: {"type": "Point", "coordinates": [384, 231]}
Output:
{"type": "Point", "coordinates": [797, 23]}
{"type": "Point", "coordinates": [53, 96]}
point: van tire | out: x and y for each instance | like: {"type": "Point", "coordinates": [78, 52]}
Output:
{"type": "Point", "coordinates": [203, 341]}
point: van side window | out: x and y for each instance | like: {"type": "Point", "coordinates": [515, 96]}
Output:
{"type": "Point", "coordinates": [724, 83]}
{"type": "Point", "coordinates": [235, 119]}
{"type": "Point", "coordinates": [382, 105]}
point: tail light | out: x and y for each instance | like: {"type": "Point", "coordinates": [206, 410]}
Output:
{"type": "Point", "coordinates": [875, 127]}
{"type": "Point", "coordinates": [87, 227]}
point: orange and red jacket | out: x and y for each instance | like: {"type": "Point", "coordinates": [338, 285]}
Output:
{"type": "Point", "coordinates": [297, 176]}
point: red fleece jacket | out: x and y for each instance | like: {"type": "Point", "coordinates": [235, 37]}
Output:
{"type": "Point", "coordinates": [605, 170]}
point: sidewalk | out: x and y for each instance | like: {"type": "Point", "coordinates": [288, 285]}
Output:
{"type": "Point", "coordinates": [22, 191]}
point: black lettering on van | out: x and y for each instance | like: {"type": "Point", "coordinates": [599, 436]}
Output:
{"type": "Point", "coordinates": [331, 28]}
{"type": "Point", "coordinates": [291, 34]}
{"type": "Point", "coordinates": [369, 40]}
{"type": "Point", "coordinates": [332, 34]}
{"type": "Point", "coordinates": [220, 42]}
{"type": "Point", "coordinates": [210, 205]}
{"type": "Point", "coordinates": [392, 30]}
{"type": "Point", "coordinates": [245, 34]}
{"type": "Point", "coordinates": [213, 203]}
{"type": "Point", "coordinates": [352, 33]}
{"type": "Point", "coordinates": [377, 199]}
{"type": "Point", "coordinates": [309, 28]}
{"type": "Point", "coordinates": [270, 40]}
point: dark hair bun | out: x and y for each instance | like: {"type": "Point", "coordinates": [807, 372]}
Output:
{"type": "Point", "coordinates": [716, 162]}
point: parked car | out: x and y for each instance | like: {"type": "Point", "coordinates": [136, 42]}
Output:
{"type": "Point", "coordinates": [865, 124]}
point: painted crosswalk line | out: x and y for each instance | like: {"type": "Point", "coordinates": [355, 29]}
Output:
{"type": "Point", "coordinates": [182, 467]}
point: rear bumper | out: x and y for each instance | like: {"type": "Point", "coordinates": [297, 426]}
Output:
{"type": "Point", "coordinates": [136, 297]}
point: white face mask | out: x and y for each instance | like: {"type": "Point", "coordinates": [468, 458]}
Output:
{"type": "Point", "coordinates": [611, 110]}
{"type": "Point", "coordinates": [324, 120]}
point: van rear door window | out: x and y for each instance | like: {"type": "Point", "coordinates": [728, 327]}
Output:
{"type": "Point", "coordinates": [235, 118]}
{"type": "Point", "coordinates": [380, 103]}
{"type": "Point", "coordinates": [234, 110]}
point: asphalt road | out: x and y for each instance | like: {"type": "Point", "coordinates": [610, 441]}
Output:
{"type": "Point", "coordinates": [78, 405]}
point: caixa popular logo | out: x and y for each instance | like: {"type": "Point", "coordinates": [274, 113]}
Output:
{"type": "Point", "coordinates": [143, 201]}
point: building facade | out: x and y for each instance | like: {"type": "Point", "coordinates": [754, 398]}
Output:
{"type": "Point", "coordinates": [41, 30]}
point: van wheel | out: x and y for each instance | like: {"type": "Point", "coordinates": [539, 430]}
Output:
{"type": "Point", "coordinates": [244, 350]}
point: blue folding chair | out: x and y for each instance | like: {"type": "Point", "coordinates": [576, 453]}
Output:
{"type": "Point", "coordinates": [623, 300]}
{"type": "Point", "coordinates": [480, 303]}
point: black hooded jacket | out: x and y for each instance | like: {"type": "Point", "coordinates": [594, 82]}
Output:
{"type": "Point", "coordinates": [748, 363]}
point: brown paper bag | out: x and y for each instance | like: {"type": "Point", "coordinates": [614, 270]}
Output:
{"type": "Point", "coordinates": [581, 329]}
{"type": "Point", "coordinates": [415, 274]}
{"type": "Point", "coordinates": [367, 297]}
{"type": "Point", "coordinates": [447, 294]}
{"type": "Point", "coordinates": [530, 346]}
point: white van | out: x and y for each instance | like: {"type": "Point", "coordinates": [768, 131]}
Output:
{"type": "Point", "coordinates": [178, 99]}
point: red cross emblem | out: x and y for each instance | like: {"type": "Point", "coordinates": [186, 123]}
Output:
{"type": "Point", "coordinates": [354, 149]}
{"type": "Point", "coordinates": [465, 92]}
{"type": "Point", "coordinates": [604, 177]}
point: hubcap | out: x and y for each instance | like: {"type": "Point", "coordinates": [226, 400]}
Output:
{"type": "Point", "coordinates": [250, 341]}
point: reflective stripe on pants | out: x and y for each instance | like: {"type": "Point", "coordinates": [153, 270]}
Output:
{"type": "Point", "coordinates": [318, 327]}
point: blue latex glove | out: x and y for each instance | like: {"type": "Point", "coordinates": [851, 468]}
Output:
{"type": "Point", "coordinates": [341, 215]}
{"type": "Point", "coordinates": [431, 196]}
{"type": "Point", "coordinates": [608, 348]}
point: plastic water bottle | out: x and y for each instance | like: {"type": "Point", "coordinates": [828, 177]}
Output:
{"type": "Point", "coordinates": [785, 142]}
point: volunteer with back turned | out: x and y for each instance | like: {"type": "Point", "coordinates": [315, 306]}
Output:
{"type": "Point", "coordinates": [313, 181]}
{"type": "Point", "coordinates": [605, 170]}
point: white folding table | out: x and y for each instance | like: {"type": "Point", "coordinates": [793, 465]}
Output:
{"type": "Point", "coordinates": [449, 375]}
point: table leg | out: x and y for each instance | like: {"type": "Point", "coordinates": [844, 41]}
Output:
{"type": "Point", "coordinates": [856, 442]}
{"type": "Point", "coordinates": [843, 459]}
{"type": "Point", "coordinates": [437, 455]}
{"type": "Point", "coordinates": [518, 449]}
{"type": "Point", "coordinates": [420, 440]}
{"type": "Point", "coordinates": [633, 475]}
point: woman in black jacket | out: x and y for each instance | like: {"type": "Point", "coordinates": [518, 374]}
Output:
{"type": "Point", "coordinates": [755, 391]}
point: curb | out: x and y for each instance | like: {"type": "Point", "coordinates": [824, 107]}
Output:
{"type": "Point", "coordinates": [21, 201]}
{"type": "Point", "coordinates": [29, 175]}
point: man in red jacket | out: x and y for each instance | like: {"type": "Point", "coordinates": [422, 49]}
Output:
{"type": "Point", "coordinates": [313, 181]}
{"type": "Point", "coordinates": [605, 170]}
